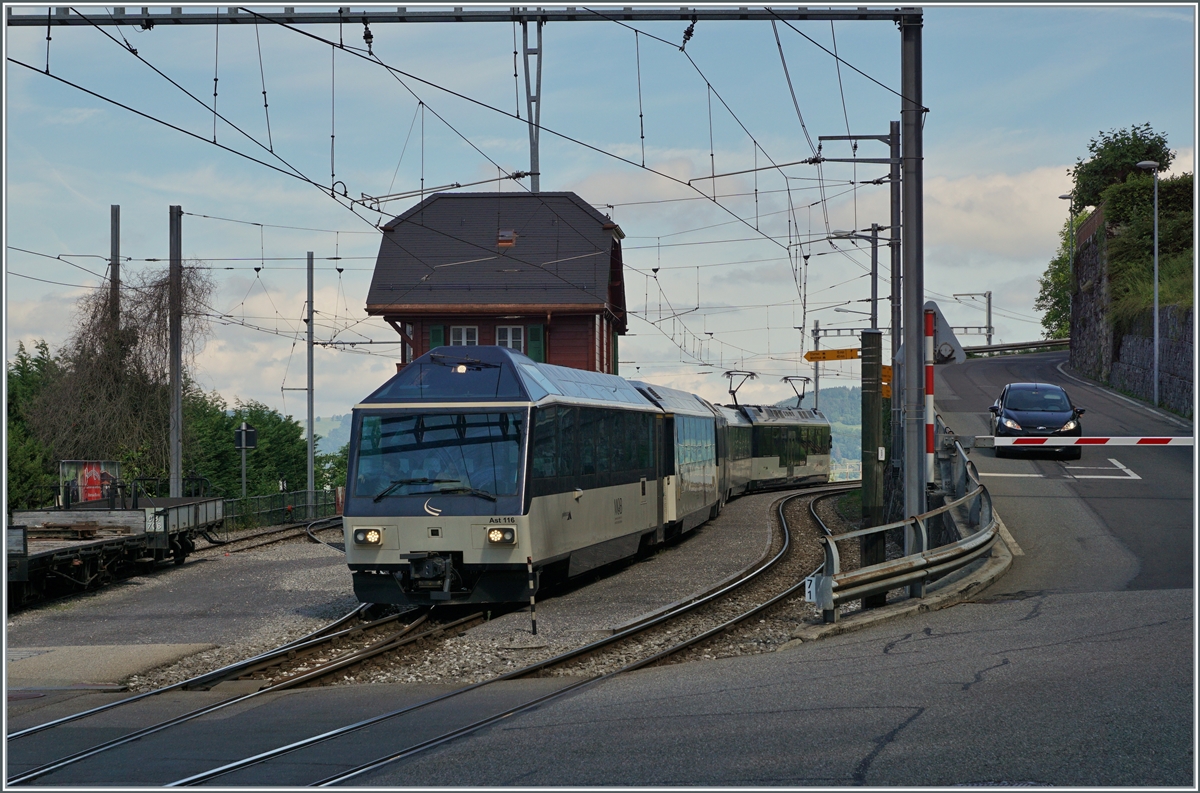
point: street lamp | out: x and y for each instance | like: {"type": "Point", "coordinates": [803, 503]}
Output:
{"type": "Point", "coordinates": [848, 311]}
{"type": "Point", "coordinates": [874, 240]}
{"type": "Point", "coordinates": [1151, 165]}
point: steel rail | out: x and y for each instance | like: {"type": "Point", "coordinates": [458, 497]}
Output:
{"type": "Point", "coordinates": [679, 647]}
{"type": "Point", "coordinates": [211, 774]}
{"type": "Point", "coordinates": [234, 668]}
{"type": "Point", "coordinates": [62, 762]}
{"type": "Point", "coordinates": [300, 528]}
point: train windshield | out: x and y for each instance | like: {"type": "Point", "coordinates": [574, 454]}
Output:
{"type": "Point", "coordinates": [425, 453]}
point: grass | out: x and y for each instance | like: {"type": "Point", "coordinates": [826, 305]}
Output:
{"type": "Point", "coordinates": [849, 506]}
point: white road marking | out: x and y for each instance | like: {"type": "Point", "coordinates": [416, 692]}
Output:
{"type": "Point", "coordinates": [989, 473]}
{"type": "Point", "coordinates": [1125, 472]}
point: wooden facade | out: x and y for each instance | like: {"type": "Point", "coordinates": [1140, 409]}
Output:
{"type": "Point", "coordinates": [540, 273]}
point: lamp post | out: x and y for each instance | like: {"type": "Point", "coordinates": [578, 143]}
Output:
{"type": "Point", "coordinates": [1071, 251]}
{"type": "Point", "coordinates": [1150, 165]}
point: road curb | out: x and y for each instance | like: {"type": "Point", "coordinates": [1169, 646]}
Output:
{"type": "Point", "coordinates": [947, 592]}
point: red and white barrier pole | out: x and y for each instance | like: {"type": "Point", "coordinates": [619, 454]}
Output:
{"type": "Point", "coordinates": [929, 413]}
{"type": "Point", "coordinates": [1184, 440]}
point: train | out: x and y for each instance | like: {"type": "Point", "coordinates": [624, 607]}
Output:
{"type": "Point", "coordinates": [475, 473]}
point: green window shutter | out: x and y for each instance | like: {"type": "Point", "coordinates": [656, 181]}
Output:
{"type": "Point", "coordinates": [536, 347]}
{"type": "Point", "coordinates": [437, 336]}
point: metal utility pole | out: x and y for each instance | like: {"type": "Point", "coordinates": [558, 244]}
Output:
{"type": "Point", "coordinates": [988, 295]}
{"type": "Point", "coordinates": [912, 154]}
{"type": "Point", "coordinates": [875, 275]}
{"type": "Point", "coordinates": [872, 546]}
{"type": "Point", "coordinates": [311, 421]}
{"type": "Point", "coordinates": [533, 102]}
{"type": "Point", "coordinates": [175, 325]}
{"type": "Point", "coordinates": [114, 270]}
{"type": "Point", "coordinates": [897, 400]}
{"type": "Point", "coordinates": [816, 365]}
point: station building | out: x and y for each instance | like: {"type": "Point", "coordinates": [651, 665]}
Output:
{"type": "Point", "coordinates": [537, 272]}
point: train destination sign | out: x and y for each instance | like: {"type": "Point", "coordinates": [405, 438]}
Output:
{"type": "Point", "coordinates": [831, 355]}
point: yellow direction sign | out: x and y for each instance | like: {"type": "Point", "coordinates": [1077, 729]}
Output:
{"type": "Point", "coordinates": [831, 355]}
{"type": "Point", "coordinates": [887, 391]}
{"type": "Point", "coordinates": [886, 373]}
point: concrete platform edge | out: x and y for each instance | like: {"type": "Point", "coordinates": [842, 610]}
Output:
{"type": "Point", "coordinates": [951, 592]}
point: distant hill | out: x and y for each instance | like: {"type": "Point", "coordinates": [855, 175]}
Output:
{"type": "Point", "coordinates": [334, 432]}
{"type": "Point", "coordinates": [842, 405]}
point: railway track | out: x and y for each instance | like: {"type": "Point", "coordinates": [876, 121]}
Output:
{"type": "Point", "coordinates": [757, 591]}
{"type": "Point", "coordinates": [331, 650]}
{"type": "Point", "coordinates": [273, 535]}
{"type": "Point", "coordinates": [313, 660]}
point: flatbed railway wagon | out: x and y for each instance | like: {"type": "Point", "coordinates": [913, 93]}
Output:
{"type": "Point", "coordinates": [475, 465]}
{"type": "Point", "coordinates": [86, 546]}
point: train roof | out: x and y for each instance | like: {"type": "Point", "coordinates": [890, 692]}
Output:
{"type": "Point", "coordinates": [672, 400]}
{"type": "Point", "coordinates": [770, 414]}
{"type": "Point", "coordinates": [733, 416]}
{"type": "Point", "coordinates": [488, 373]}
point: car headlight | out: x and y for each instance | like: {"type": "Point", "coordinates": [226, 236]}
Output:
{"type": "Point", "coordinates": [1012, 425]}
{"type": "Point", "coordinates": [1070, 425]}
{"type": "Point", "coordinates": [368, 536]}
{"type": "Point", "coordinates": [502, 535]}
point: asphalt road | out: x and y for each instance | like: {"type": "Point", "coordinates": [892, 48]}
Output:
{"type": "Point", "coordinates": [1075, 669]}
{"type": "Point", "coordinates": [1085, 525]}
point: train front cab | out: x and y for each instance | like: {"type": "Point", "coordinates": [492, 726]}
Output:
{"type": "Point", "coordinates": [473, 461]}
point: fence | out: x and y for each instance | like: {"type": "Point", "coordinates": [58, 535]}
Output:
{"type": "Point", "coordinates": [968, 516]}
{"type": "Point", "coordinates": [293, 507]}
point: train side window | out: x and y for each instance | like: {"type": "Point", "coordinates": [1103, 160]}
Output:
{"type": "Point", "coordinates": [645, 440]}
{"type": "Point", "coordinates": [588, 432]}
{"type": "Point", "coordinates": [604, 441]}
{"type": "Point", "coordinates": [565, 460]}
{"type": "Point", "coordinates": [544, 447]}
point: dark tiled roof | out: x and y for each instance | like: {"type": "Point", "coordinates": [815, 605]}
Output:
{"type": "Point", "coordinates": [444, 250]}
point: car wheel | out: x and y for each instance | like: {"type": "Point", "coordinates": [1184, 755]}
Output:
{"type": "Point", "coordinates": [1073, 453]}
{"type": "Point", "coordinates": [1001, 451]}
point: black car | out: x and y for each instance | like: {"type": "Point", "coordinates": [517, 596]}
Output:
{"type": "Point", "coordinates": [1036, 410]}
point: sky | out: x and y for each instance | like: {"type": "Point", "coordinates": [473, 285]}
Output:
{"type": "Point", "coordinates": [1014, 93]}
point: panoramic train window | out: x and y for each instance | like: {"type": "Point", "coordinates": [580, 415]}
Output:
{"type": "Point", "coordinates": [439, 452]}
{"type": "Point", "coordinates": [451, 378]}
{"type": "Point", "coordinates": [695, 440]}
{"type": "Point", "coordinates": [589, 447]}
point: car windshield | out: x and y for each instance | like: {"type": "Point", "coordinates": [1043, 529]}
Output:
{"type": "Point", "coordinates": [1043, 400]}
{"type": "Point", "coordinates": [407, 454]}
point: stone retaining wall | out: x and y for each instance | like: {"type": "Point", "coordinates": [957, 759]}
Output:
{"type": "Point", "coordinates": [1125, 360]}
{"type": "Point", "coordinates": [1132, 369]}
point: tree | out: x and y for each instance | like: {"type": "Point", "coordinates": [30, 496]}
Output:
{"type": "Point", "coordinates": [1054, 290]}
{"type": "Point", "coordinates": [1115, 155]}
{"type": "Point", "coordinates": [30, 464]}
{"type": "Point", "coordinates": [331, 468]}
{"type": "Point", "coordinates": [109, 397]}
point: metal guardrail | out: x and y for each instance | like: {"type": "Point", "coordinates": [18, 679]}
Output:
{"type": "Point", "coordinates": [277, 508]}
{"type": "Point", "coordinates": [1021, 345]}
{"type": "Point", "coordinates": [970, 512]}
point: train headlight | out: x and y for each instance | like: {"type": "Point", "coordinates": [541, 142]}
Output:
{"type": "Point", "coordinates": [367, 536]}
{"type": "Point", "coordinates": [502, 536]}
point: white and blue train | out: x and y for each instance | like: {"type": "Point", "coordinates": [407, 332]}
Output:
{"type": "Point", "coordinates": [474, 462]}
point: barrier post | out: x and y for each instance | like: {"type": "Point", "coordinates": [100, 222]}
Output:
{"type": "Point", "coordinates": [532, 604]}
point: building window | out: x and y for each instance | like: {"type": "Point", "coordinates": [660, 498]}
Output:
{"type": "Point", "coordinates": [511, 336]}
{"type": "Point", "coordinates": [463, 336]}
